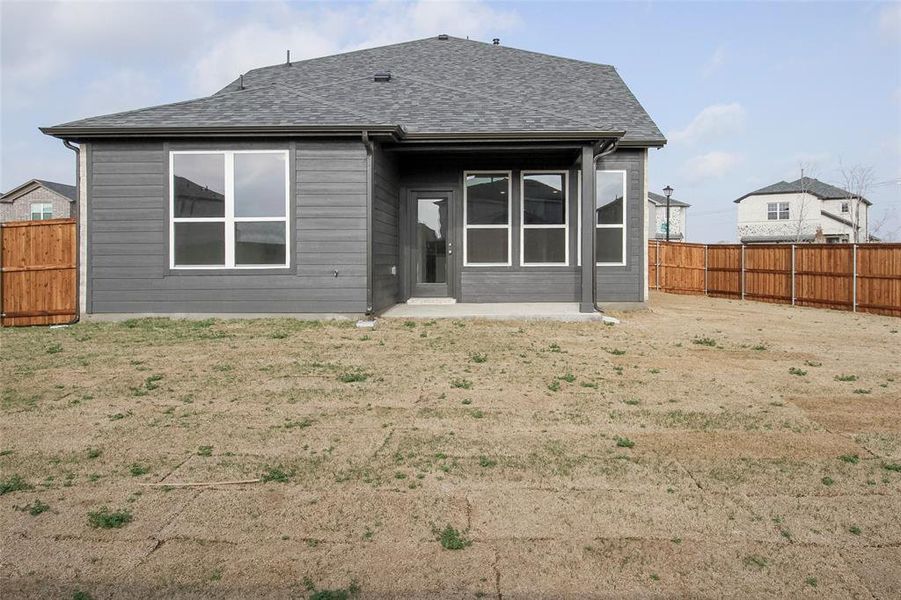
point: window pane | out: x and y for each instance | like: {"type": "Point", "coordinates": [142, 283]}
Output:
{"type": "Point", "coordinates": [431, 240]}
{"type": "Point", "coordinates": [611, 187]}
{"type": "Point", "coordinates": [260, 185]}
{"type": "Point", "coordinates": [260, 243]}
{"type": "Point", "coordinates": [199, 185]}
{"type": "Point", "coordinates": [609, 245]}
{"type": "Point", "coordinates": [544, 199]}
{"type": "Point", "coordinates": [199, 244]}
{"type": "Point", "coordinates": [486, 199]}
{"type": "Point", "coordinates": [486, 245]}
{"type": "Point", "coordinates": [544, 245]}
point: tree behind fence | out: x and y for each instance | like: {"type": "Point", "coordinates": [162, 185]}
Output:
{"type": "Point", "coordinates": [859, 277]}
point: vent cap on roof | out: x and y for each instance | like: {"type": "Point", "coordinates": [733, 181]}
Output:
{"type": "Point", "coordinates": [442, 36]}
{"type": "Point", "coordinates": [382, 76]}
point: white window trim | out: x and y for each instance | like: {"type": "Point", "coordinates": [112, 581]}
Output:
{"type": "Point", "coordinates": [522, 218]}
{"type": "Point", "coordinates": [43, 206]}
{"type": "Point", "coordinates": [508, 226]}
{"type": "Point", "coordinates": [622, 225]}
{"type": "Point", "coordinates": [778, 211]}
{"type": "Point", "coordinates": [229, 219]}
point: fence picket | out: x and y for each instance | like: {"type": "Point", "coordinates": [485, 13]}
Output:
{"type": "Point", "coordinates": [868, 279]}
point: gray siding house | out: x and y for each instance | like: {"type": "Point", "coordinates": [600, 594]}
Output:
{"type": "Point", "coordinates": [440, 168]}
{"type": "Point", "coordinates": [38, 200]}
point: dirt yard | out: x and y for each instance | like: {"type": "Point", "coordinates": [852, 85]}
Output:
{"type": "Point", "coordinates": [707, 448]}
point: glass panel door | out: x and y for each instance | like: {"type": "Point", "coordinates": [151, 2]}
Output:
{"type": "Point", "coordinates": [431, 250]}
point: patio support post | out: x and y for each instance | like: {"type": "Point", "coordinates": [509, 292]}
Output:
{"type": "Point", "coordinates": [587, 231]}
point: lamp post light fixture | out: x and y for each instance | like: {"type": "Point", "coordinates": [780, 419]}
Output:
{"type": "Point", "coordinates": [667, 191]}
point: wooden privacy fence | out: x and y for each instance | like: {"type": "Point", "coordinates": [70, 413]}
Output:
{"type": "Point", "coordinates": [858, 277]}
{"type": "Point", "coordinates": [38, 273]}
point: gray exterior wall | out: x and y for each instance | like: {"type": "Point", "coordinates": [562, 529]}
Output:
{"type": "Point", "coordinates": [128, 234]}
{"type": "Point", "coordinates": [627, 283]}
{"type": "Point", "coordinates": [385, 230]}
{"type": "Point", "coordinates": [499, 284]}
{"type": "Point", "coordinates": [517, 283]}
{"type": "Point", "coordinates": [20, 208]}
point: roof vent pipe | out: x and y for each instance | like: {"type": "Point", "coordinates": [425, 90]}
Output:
{"type": "Point", "coordinates": [288, 60]}
{"type": "Point", "coordinates": [382, 76]}
{"type": "Point", "coordinates": [241, 82]}
{"type": "Point", "coordinates": [496, 41]}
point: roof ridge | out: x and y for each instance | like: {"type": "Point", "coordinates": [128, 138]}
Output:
{"type": "Point", "coordinates": [425, 39]}
{"type": "Point", "coordinates": [307, 60]}
{"type": "Point", "coordinates": [495, 99]}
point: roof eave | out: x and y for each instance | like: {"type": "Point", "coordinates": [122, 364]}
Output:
{"type": "Point", "coordinates": [507, 136]}
{"type": "Point", "coordinates": [76, 132]}
{"type": "Point", "coordinates": [653, 143]}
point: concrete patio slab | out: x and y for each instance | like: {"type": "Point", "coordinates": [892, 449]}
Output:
{"type": "Point", "coordinates": [504, 311]}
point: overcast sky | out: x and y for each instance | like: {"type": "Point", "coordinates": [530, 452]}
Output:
{"type": "Point", "coordinates": [745, 92]}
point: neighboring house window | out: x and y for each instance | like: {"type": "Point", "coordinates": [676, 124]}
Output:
{"type": "Point", "coordinates": [777, 211]}
{"type": "Point", "coordinates": [486, 218]}
{"type": "Point", "coordinates": [846, 206]}
{"type": "Point", "coordinates": [41, 211]}
{"type": "Point", "coordinates": [545, 219]}
{"type": "Point", "coordinates": [229, 209]}
{"type": "Point", "coordinates": [610, 245]}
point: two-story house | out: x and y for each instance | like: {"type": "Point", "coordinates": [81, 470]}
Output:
{"type": "Point", "coordinates": [805, 210]}
{"type": "Point", "coordinates": [38, 200]}
{"type": "Point", "coordinates": [657, 221]}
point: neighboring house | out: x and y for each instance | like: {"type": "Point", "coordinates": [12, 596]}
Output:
{"type": "Point", "coordinates": [805, 210]}
{"type": "Point", "coordinates": [441, 167]}
{"type": "Point", "coordinates": [657, 218]}
{"type": "Point", "coordinates": [38, 200]}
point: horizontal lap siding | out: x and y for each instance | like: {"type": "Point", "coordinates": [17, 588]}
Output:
{"type": "Point", "coordinates": [385, 230]}
{"type": "Point", "coordinates": [557, 285]}
{"type": "Point", "coordinates": [626, 283]}
{"type": "Point", "coordinates": [129, 229]}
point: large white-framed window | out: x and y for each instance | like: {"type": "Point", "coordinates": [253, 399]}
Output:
{"type": "Point", "coordinates": [610, 209]}
{"type": "Point", "coordinates": [487, 215]}
{"type": "Point", "coordinates": [229, 209]}
{"type": "Point", "coordinates": [777, 211]}
{"type": "Point", "coordinates": [544, 218]}
{"type": "Point", "coordinates": [41, 211]}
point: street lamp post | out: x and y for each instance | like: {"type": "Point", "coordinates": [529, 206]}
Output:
{"type": "Point", "coordinates": [667, 191]}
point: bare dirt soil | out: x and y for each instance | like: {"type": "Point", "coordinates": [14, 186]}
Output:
{"type": "Point", "coordinates": [707, 448]}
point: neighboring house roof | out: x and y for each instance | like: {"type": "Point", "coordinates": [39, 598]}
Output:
{"type": "Point", "coordinates": [62, 189]}
{"type": "Point", "coordinates": [805, 184]}
{"type": "Point", "coordinates": [440, 87]}
{"type": "Point", "coordinates": [778, 238]}
{"type": "Point", "coordinates": [659, 200]}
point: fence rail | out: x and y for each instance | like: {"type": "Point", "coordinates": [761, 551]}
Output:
{"type": "Point", "coordinates": [857, 277]}
{"type": "Point", "coordinates": [38, 272]}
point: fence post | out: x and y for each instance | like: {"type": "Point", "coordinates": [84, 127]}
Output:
{"type": "Point", "coordinates": [657, 260]}
{"type": "Point", "coordinates": [793, 274]}
{"type": "Point", "coordinates": [854, 278]}
{"type": "Point", "coordinates": [742, 271]}
{"type": "Point", "coordinates": [705, 269]}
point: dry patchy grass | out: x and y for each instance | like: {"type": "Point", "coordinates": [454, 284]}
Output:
{"type": "Point", "coordinates": [482, 459]}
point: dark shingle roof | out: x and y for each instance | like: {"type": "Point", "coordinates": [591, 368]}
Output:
{"type": "Point", "coordinates": [805, 184]}
{"type": "Point", "coordinates": [68, 191]}
{"type": "Point", "coordinates": [661, 200]}
{"type": "Point", "coordinates": [436, 87]}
